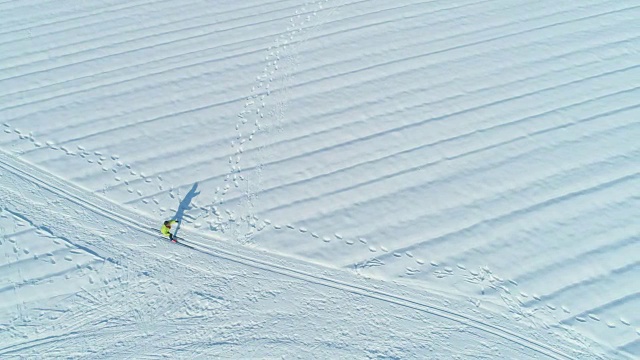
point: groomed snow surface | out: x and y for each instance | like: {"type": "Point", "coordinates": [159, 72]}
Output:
{"type": "Point", "coordinates": [408, 179]}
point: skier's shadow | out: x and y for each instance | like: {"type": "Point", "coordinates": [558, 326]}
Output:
{"type": "Point", "coordinates": [185, 204]}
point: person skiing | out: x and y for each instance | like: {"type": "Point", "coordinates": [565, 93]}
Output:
{"type": "Point", "coordinates": [166, 229]}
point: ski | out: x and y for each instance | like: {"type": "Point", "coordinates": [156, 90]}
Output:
{"type": "Point", "coordinates": [178, 241]}
{"type": "Point", "coordinates": [175, 241]}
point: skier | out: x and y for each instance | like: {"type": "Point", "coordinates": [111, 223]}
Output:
{"type": "Point", "coordinates": [166, 229]}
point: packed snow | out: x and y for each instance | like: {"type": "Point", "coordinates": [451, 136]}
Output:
{"type": "Point", "coordinates": [406, 179]}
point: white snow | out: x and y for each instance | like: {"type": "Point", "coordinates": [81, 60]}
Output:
{"type": "Point", "coordinates": [355, 179]}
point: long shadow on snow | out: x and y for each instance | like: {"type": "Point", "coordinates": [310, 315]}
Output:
{"type": "Point", "coordinates": [185, 204]}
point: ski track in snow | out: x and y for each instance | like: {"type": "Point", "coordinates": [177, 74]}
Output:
{"type": "Point", "coordinates": [488, 156]}
{"type": "Point", "coordinates": [111, 213]}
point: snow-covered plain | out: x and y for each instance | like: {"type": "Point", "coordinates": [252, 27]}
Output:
{"type": "Point", "coordinates": [434, 179]}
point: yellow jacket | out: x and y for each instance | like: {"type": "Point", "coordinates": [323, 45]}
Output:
{"type": "Point", "coordinates": [166, 229]}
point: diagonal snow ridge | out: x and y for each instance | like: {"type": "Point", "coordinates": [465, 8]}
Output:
{"type": "Point", "coordinates": [484, 150]}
